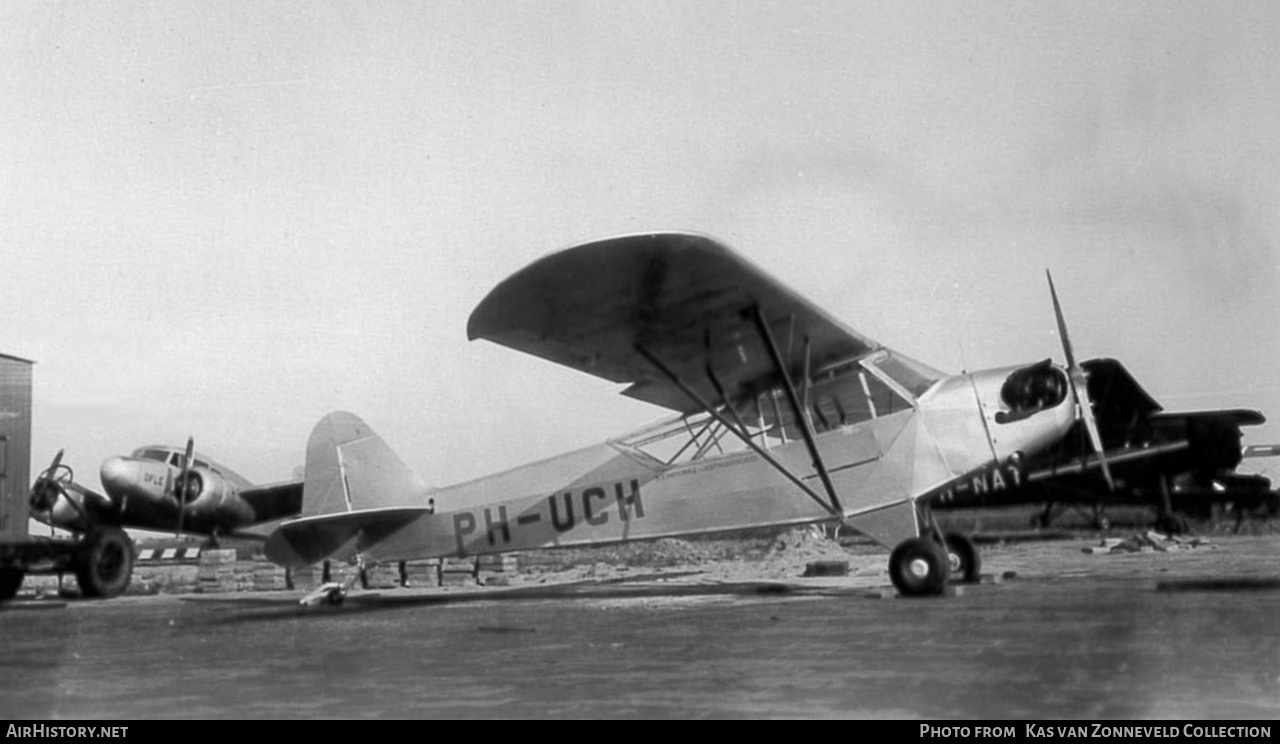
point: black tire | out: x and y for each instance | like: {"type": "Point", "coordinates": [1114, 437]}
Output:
{"type": "Point", "coordinates": [105, 564]}
{"type": "Point", "coordinates": [919, 567]}
{"type": "Point", "coordinates": [10, 581]}
{"type": "Point", "coordinates": [963, 559]}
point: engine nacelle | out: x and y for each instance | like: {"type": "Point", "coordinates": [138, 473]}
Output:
{"type": "Point", "coordinates": [208, 495]}
{"type": "Point", "coordinates": [201, 491]}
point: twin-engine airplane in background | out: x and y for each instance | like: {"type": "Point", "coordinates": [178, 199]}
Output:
{"type": "Point", "coordinates": [158, 488]}
{"type": "Point", "coordinates": [784, 416]}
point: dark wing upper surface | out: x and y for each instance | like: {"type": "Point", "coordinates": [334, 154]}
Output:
{"type": "Point", "coordinates": [687, 298]}
{"type": "Point", "coordinates": [274, 501]}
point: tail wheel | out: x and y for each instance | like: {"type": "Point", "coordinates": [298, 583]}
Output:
{"type": "Point", "coordinates": [962, 558]}
{"type": "Point", "coordinates": [10, 581]}
{"type": "Point", "coordinates": [105, 564]}
{"type": "Point", "coordinates": [919, 567]}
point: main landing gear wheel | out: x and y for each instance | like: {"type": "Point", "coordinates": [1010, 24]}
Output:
{"type": "Point", "coordinates": [919, 567]}
{"type": "Point", "coordinates": [105, 564]}
{"type": "Point", "coordinates": [963, 559]}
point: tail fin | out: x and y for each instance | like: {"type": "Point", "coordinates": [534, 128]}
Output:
{"type": "Point", "coordinates": [350, 468]}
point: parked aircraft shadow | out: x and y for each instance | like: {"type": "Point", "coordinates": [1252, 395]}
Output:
{"type": "Point", "coordinates": [247, 610]}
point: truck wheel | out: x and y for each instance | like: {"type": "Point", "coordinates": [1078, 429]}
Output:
{"type": "Point", "coordinates": [10, 580]}
{"type": "Point", "coordinates": [105, 564]}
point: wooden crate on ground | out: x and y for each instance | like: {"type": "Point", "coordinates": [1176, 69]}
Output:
{"type": "Point", "coordinates": [505, 562]}
{"type": "Point", "coordinates": [306, 578]}
{"type": "Point", "coordinates": [423, 573]}
{"type": "Point", "coordinates": [457, 579]}
{"type": "Point", "coordinates": [383, 576]}
{"type": "Point", "coordinates": [268, 577]}
{"type": "Point", "coordinates": [217, 571]}
{"type": "Point", "coordinates": [458, 566]}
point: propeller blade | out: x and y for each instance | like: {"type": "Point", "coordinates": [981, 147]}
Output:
{"type": "Point", "coordinates": [1091, 425]}
{"type": "Point", "coordinates": [184, 482]}
{"type": "Point", "coordinates": [57, 460]}
{"type": "Point", "coordinates": [50, 486]}
{"type": "Point", "coordinates": [1080, 387]}
{"type": "Point", "coordinates": [1062, 327]}
{"type": "Point", "coordinates": [45, 492]}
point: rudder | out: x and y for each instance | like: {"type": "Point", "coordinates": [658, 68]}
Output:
{"type": "Point", "coordinates": [349, 467]}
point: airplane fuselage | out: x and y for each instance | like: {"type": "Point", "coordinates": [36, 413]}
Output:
{"type": "Point", "coordinates": [140, 491]}
{"type": "Point", "coordinates": [608, 493]}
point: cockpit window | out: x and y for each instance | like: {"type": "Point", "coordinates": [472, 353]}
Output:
{"type": "Point", "coordinates": [175, 459]}
{"type": "Point", "coordinates": [915, 377]}
{"type": "Point", "coordinates": [151, 454]}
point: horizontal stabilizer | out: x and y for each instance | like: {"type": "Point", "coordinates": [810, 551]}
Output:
{"type": "Point", "coordinates": [306, 541]}
{"type": "Point", "coordinates": [1262, 450]}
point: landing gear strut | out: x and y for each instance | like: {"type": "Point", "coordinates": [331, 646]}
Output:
{"type": "Point", "coordinates": [333, 592]}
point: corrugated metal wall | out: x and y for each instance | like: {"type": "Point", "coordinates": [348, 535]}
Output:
{"type": "Point", "coordinates": [15, 446]}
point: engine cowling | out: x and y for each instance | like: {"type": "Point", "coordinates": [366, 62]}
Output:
{"type": "Point", "coordinates": [1030, 389]}
{"type": "Point", "coordinates": [207, 495]}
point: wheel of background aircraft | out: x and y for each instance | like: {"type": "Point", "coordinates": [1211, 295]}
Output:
{"type": "Point", "coordinates": [105, 564]}
{"type": "Point", "coordinates": [10, 581]}
{"type": "Point", "coordinates": [963, 559]}
{"type": "Point", "coordinates": [918, 567]}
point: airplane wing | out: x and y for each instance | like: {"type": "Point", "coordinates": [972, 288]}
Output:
{"type": "Point", "coordinates": [686, 298]}
{"type": "Point", "coordinates": [274, 501]}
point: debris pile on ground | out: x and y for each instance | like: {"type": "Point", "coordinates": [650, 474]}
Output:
{"type": "Point", "coordinates": [1148, 542]}
{"type": "Point", "coordinates": [805, 542]}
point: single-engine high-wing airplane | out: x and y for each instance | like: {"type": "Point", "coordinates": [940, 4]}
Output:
{"type": "Point", "coordinates": [784, 416]}
{"type": "Point", "coordinates": [166, 489]}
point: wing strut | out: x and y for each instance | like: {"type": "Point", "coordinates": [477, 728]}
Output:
{"type": "Point", "coordinates": [740, 433]}
{"type": "Point", "coordinates": [806, 430]}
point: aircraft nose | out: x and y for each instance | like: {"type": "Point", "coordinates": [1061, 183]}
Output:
{"type": "Point", "coordinates": [116, 475]}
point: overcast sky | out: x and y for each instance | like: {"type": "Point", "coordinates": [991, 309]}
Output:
{"type": "Point", "coordinates": [227, 219]}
